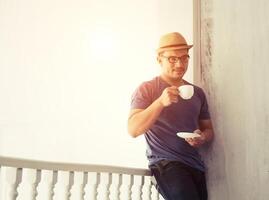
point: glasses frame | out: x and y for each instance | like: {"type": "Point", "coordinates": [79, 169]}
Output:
{"type": "Point", "coordinates": [177, 59]}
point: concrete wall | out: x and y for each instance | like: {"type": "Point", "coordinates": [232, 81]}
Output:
{"type": "Point", "coordinates": [234, 73]}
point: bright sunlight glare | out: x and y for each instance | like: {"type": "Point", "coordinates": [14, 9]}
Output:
{"type": "Point", "coordinates": [101, 42]}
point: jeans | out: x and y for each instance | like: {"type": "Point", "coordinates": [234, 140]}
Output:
{"type": "Point", "coordinates": [177, 181]}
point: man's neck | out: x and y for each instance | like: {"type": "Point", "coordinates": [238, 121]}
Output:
{"type": "Point", "coordinates": [174, 82]}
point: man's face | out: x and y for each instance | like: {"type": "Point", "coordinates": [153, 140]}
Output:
{"type": "Point", "coordinates": [174, 63]}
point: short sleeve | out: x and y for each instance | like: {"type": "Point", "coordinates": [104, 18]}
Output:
{"type": "Point", "coordinates": [204, 112]}
{"type": "Point", "coordinates": [141, 97]}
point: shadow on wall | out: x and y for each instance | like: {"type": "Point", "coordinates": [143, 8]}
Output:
{"type": "Point", "coordinates": [214, 157]}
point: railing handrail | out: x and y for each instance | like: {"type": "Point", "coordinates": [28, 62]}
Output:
{"type": "Point", "coordinates": [64, 166]}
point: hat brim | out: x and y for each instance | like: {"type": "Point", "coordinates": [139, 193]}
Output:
{"type": "Point", "coordinates": [173, 48]}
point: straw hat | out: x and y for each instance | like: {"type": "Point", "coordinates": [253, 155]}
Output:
{"type": "Point", "coordinates": [172, 41]}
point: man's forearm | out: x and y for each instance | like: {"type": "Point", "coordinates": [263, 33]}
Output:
{"type": "Point", "coordinates": [208, 134]}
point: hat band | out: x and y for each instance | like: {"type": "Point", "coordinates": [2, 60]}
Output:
{"type": "Point", "coordinates": [175, 45]}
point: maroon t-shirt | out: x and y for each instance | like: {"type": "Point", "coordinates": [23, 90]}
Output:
{"type": "Point", "coordinates": [183, 116]}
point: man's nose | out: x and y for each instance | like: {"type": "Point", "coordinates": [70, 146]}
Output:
{"type": "Point", "coordinates": [178, 64]}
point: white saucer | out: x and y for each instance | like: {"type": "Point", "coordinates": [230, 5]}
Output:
{"type": "Point", "coordinates": [188, 135]}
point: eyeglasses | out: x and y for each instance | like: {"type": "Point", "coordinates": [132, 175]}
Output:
{"type": "Point", "coordinates": [174, 59]}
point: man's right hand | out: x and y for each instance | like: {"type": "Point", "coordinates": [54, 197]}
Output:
{"type": "Point", "coordinates": [169, 96]}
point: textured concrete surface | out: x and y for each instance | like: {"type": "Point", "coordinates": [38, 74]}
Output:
{"type": "Point", "coordinates": [234, 74]}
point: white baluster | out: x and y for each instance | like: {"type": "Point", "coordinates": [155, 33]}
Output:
{"type": "Point", "coordinates": [125, 190]}
{"type": "Point", "coordinates": [137, 188]}
{"type": "Point", "coordinates": [26, 189]}
{"type": "Point", "coordinates": [91, 186]}
{"type": "Point", "coordinates": [8, 183]}
{"type": "Point", "coordinates": [77, 188]}
{"type": "Point", "coordinates": [161, 197]}
{"type": "Point", "coordinates": [44, 188]}
{"type": "Point", "coordinates": [154, 193]}
{"type": "Point", "coordinates": [146, 188]}
{"type": "Point", "coordinates": [61, 190]}
{"type": "Point", "coordinates": [115, 187]}
{"type": "Point", "coordinates": [103, 189]}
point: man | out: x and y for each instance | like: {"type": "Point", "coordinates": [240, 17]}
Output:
{"type": "Point", "coordinates": [159, 112]}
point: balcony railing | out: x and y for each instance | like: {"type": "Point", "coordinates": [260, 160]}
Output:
{"type": "Point", "coordinates": [23, 179]}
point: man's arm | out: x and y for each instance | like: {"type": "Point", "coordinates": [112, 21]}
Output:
{"type": "Point", "coordinates": [140, 120]}
{"type": "Point", "coordinates": [206, 132]}
{"type": "Point", "coordinates": [207, 129]}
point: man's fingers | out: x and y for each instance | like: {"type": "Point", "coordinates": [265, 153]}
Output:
{"type": "Point", "coordinates": [195, 142]}
{"type": "Point", "coordinates": [170, 95]}
{"type": "Point", "coordinates": [173, 90]}
{"type": "Point", "coordinates": [197, 131]}
{"type": "Point", "coordinates": [174, 99]}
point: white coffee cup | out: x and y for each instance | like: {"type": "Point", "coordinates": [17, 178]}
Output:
{"type": "Point", "coordinates": [186, 91]}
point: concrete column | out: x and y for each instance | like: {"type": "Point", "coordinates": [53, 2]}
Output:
{"type": "Point", "coordinates": [234, 72]}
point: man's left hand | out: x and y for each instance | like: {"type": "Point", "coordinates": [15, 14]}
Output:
{"type": "Point", "coordinates": [197, 141]}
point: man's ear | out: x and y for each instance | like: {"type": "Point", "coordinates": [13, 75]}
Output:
{"type": "Point", "coordinates": [159, 60]}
